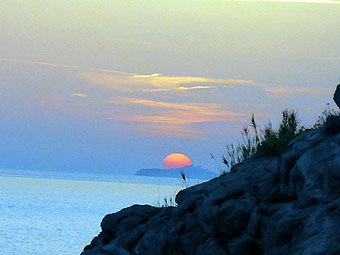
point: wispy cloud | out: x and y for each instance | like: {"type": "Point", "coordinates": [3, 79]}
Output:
{"type": "Point", "coordinates": [143, 115]}
{"type": "Point", "coordinates": [131, 82]}
{"type": "Point", "coordinates": [155, 90]}
{"type": "Point", "coordinates": [216, 112]}
{"type": "Point", "coordinates": [195, 87]}
{"type": "Point", "coordinates": [156, 82]}
{"type": "Point", "coordinates": [118, 80]}
{"type": "Point", "coordinates": [47, 64]}
{"type": "Point", "coordinates": [172, 119]}
{"type": "Point", "coordinates": [79, 95]}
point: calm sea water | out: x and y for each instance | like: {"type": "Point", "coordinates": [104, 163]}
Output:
{"type": "Point", "coordinates": [58, 215]}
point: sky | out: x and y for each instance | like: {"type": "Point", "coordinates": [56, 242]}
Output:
{"type": "Point", "coordinates": [117, 85]}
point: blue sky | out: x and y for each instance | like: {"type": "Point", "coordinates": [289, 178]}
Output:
{"type": "Point", "coordinates": [118, 85]}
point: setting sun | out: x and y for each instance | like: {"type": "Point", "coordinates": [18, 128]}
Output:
{"type": "Point", "coordinates": [176, 160]}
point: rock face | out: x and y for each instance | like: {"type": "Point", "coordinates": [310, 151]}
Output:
{"type": "Point", "coordinates": [337, 96]}
{"type": "Point", "coordinates": [266, 206]}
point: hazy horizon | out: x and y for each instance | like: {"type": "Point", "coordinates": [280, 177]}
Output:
{"type": "Point", "coordinates": [118, 85]}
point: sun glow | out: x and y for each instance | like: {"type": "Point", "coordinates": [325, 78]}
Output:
{"type": "Point", "coordinates": [176, 160]}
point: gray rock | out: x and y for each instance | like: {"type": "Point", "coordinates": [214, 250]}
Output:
{"type": "Point", "coordinates": [288, 225]}
{"type": "Point", "coordinates": [120, 222]}
{"type": "Point", "coordinates": [245, 246]}
{"type": "Point", "coordinates": [269, 206]}
{"type": "Point", "coordinates": [211, 247]}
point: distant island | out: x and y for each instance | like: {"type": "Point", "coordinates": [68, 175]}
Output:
{"type": "Point", "coordinates": [191, 172]}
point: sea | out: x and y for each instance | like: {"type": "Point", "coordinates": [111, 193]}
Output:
{"type": "Point", "coordinates": [59, 213]}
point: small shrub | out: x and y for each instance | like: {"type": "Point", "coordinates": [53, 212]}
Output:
{"type": "Point", "coordinates": [270, 142]}
{"type": "Point", "coordinates": [324, 116]}
{"type": "Point", "coordinates": [274, 143]}
{"type": "Point", "coordinates": [267, 142]}
{"type": "Point", "coordinates": [328, 122]}
{"type": "Point", "coordinates": [332, 125]}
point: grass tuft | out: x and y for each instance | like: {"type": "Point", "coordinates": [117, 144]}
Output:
{"type": "Point", "coordinates": [273, 142]}
{"type": "Point", "coordinates": [268, 142]}
{"type": "Point", "coordinates": [322, 119]}
{"type": "Point", "coordinates": [329, 122]}
{"type": "Point", "coordinates": [167, 202]}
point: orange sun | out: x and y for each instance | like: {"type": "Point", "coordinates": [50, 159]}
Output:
{"type": "Point", "coordinates": [176, 160]}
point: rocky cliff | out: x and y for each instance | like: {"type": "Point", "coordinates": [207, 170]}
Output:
{"type": "Point", "coordinates": [279, 205]}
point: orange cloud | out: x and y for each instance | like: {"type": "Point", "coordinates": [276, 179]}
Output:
{"type": "Point", "coordinates": [172, 119]}
{"type": "Point", "coordinates": [79, 95]}
{"type": "Point", "coordinates": [149, 117]}
{"type": "Point", "coordinates": [195, 87]}
{"type": "Point", "coordinates": [131, 82]}
{"type": "Point", "coordinates": [155, 90]}
{"type": "Point", "coordinates": [154, 82]}
{"type": "Point", "coordinates": [202, 109]}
